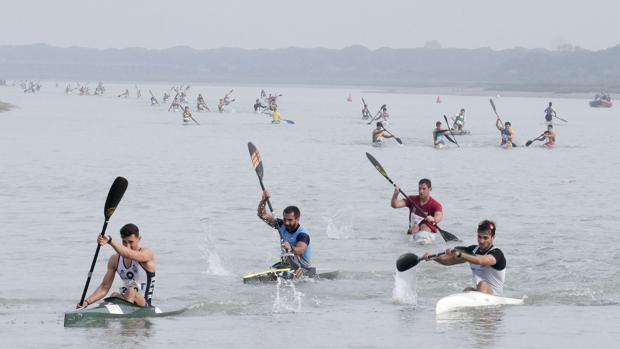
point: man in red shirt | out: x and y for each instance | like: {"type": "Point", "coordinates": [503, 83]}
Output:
{"type": "Point", "coordinates": [424, 211]}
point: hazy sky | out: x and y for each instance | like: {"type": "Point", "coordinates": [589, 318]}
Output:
{"type": "Point", "coordinates": [251, 24]}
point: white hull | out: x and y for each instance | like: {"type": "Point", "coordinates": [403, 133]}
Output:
{"type": "Point", "coordinates": [472, 299]}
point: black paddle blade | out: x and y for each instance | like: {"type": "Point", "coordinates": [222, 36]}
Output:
{"type": "Point", "coordinates": [493, 105]}
{"type": "Point", "coordinates": [406, 261]}
{"type": "Point", "coordinates": [376, 164]}
{"type": "Point", "coordinates": [528, 143]}
{"type": "Point", "coordinates": [447, 236]}
{"type": "Point", "coordinates": [398, 140]}
{"type": "Point", "coordinates": [257, 162]}
{"type": "Point", "coordinates": [117, 190]}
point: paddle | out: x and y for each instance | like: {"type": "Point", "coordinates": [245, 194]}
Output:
{"type": "Point", "coordinates": [288, 121]}
{"type": "Point", "coordinates": [409, 260]}
{"type": "Point", "coordinates": [377, 115]}
{"type": "Point", "coordinates": [539, 138]}
{"type": "Point", "coordinates": [194, 120]}
{"type": "Point", "coordinates": [493, 105]}
{"type": "Point", "coordinates": [557, 117]}
{"type": "Point", "coordinates": [114, 197]}
{"type": "Point", "coordinates": [447, 236]}
{"type": "Point", "coordinates": [257, 163]}
{"type": "Point", "coordinates": [395, 138]}
{"type": "Point", "coordinates": [448, 124]}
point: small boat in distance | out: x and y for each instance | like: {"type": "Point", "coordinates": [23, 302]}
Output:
{"type": "Point", "coordinates": [601, 100]}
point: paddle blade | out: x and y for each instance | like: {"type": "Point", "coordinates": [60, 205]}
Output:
{"type": "Point", "coordinates": [528, 143]}
{"type": "Point", "coordinates": [493, 106]}
{"type": "Point", "coordinates": [376, 164]}
{"type": "Point", "coordinates": [447, 236]}
{"type": "Point", "coordinates": [289, 121]}
{"type": "Point", "coordinates": [398, 140]}
{"type": "Point", "coordinates": [257, 162]}
{"type": "Point", "coordinates": [406, 261]}
{"type": "Point", "coordinates": [117, 190]}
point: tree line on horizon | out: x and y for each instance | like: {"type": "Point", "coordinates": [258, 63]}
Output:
{"type": "Point", "coordinates": [570, 69]}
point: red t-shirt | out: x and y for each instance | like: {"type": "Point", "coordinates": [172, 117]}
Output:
{"type": "Point", "coordinates": [428, 209]}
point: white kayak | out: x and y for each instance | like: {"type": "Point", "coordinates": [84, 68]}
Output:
{"type": "Point", "coordinates": [472, 299]}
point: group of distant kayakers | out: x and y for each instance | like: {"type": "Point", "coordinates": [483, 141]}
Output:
{"type": "Point", "coordinates": [441, 134]}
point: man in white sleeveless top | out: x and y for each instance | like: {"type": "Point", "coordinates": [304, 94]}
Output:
{"type": "Point", "coordinates": [487, 262]}
{"type": "Point", "coordinates": [134, 264]}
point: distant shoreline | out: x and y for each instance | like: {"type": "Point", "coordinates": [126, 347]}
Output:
{"type": "Point", "coordinates": [479, 91]}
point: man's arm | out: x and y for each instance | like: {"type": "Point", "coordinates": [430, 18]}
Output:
{"type": "Point", "coordinates": [397, 203]}
{"type": "Point", "coordinates": [262, 211]}
{"type": "Point", "coordinates": [105, 285]}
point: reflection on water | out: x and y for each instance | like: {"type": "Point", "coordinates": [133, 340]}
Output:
{"type": "Point", "coordinates": [480, 327]}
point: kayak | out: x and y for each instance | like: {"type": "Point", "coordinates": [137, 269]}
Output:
{"type": "Point", "coordinates": [377, 143]}
{"type": "Point", "coordinates": [472, 299]}
{"type": "Point", "coordinates": [272, 274]}
{"type": "Point", "coordinates": [439, 145]}
{"type": "Point", "coordinates": [115, 308]}
{"type": "Point", "coordinates": [600, 103]}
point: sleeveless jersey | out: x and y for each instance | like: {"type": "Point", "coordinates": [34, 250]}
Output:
{"type": "Point", "coordinates": [137, 276]}
{"type": "Point", "coordinates": [493, 275]}
{"type": "Point", "coordinates": [292, 239]}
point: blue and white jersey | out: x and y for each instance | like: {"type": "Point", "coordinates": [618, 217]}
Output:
{"type": "Point", "coordinates": [136, 276]}
{"type": "Point", "coordinates": [293, 238]}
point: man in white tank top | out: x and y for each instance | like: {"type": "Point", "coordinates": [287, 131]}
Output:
{"type": "Point", "coordinates": [135, 266]}
{"type": "Point", "coordinates": [488, 264]}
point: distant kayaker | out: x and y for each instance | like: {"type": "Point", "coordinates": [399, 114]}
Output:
{"type": "Point", "coordinates": [549, 136]}
{"type": "Point", "coordinates": [365, 112]}
{"type": "Point", "coordinates": [295, 238]}
{"type": "Point", "coordinates": [258, 106]}
{"type": "Point", "coordinates": [187, 115]}
{"type": "Point", "coordinates": [379, 133]}
{"type": "Point", "coordinates": [134, 264]}
{"type": "Point", "coordinates": [459, 120]}
{"type": "Point", "coordinates": [275, 114]}
{"type": "Point", "coordinates": [424, 211]}
{"type": "Point", "coordinates": [487, 262]}
{"type": "Point", "coordinates": [549, 113]}
{"type": "Point", "coordinates": [439, 134]}
{"type": "Point", "coordinates": [201, 105]}
{"type": "Point", "coordinates": [506, 132]}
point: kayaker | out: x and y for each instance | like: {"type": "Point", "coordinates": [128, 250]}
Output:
{"type": "Point", "coordinates": [379, 133]}
{"type": "Point", "coordinates": [258, 105]}
{"type": "Point", "coordinates": [487, 262]}
{"type": "Point", "coordinates": [459, 121]}
{"type": "Point", "coordinates": [424, 211]}
{"type": "Point", "coordinates": [365, 112]}
{"type": "Point", "coordinates": [439, 135]}
{"type": "Point", "coordinates": [506, 132]}
{"type": "Point", "coordinates": [201, 104]}
{"type": "Point", "coordinates": [275, 114]}
{"type": "Point", "coordinates": [295, 238]}
{"type": "Point", "coordinates": [549, 136]}
{"type": "Point", "coordinates": [187, 115]}
{"type": "Point", "coordinates": [134, 264]}
{"type": "Point", "coordinates": [549, 113]}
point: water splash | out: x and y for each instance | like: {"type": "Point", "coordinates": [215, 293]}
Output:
{"type": "Point", "coordinates": [287, 299]}
{"type": "Point", "coordinates": [344, 228]}
{"type": "Point", "coordinates": [404, 291]}
{"type": "Point", "coordinates": [215, 266]}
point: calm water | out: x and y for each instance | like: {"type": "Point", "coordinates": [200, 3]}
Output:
{"type": "Point", "coordinates": [193, 193]}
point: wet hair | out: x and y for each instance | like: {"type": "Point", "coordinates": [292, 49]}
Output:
{"type": "Point", "coordinates": [379, 124]}
{"type": "Point", "coordinates": [508, 123]}
{"type": "Point", "coordinates": [425, 181]}
{"type": "Point", "coordinates": [130, 229]}
{"type": "Point", "coordinates": [487, 225]}
{"type": "Point", "coordinates": [294, 210]}
{"type": "Point", "coordinates": [438, 123]}
{"type": "Point", "coordinates": [462, 109]}
{"type": "Point", "coordinates": [550, 126]}
{"type": "Point", "coordinates": [550, 103]}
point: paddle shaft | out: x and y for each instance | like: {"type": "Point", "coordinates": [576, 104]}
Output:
{"type": "Point", "coordinates": [395, 138]}
{"type": "Point", "coordinates": [92, 265]}
{"type": "Point", "coordinates": [448, 124]}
